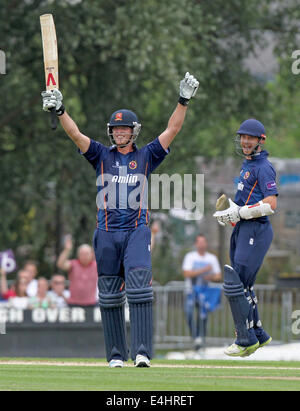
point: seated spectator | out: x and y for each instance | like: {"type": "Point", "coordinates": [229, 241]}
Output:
{"type": "Point", "coordinates": [82, 273]}
{"type": "Point", "coordinates": [41, 300]}
{"type": "Point", "coordinates": [58, 295]}
{"type": "Point", "coordinates": [31, 267]}
{"type": "Point", "coordinates": [22, 276]}
{"type": "Point", "coordinates": [17, 295]}
{"type": "Point", "coordinates": [4, 291]}
{"type": "Point", "coordinates": [21, 299]}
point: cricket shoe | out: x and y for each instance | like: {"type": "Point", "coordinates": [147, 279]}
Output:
{"type": "Point", "coordinates": [116, 363]}
{"type": "Point", "coordinates": [265, 342]}
{"type": "Point", "coordinates": [261, 345]}
{"type": "Point", "coordinates": [235, 350]}
{"type": "Point", "coordinates": [141, 361]}
{"type": "Point", "coordinates": [263, 337]}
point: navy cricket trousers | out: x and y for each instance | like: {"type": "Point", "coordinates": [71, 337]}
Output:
{"type": "Point", "coordinates": [117, 252]}
{"type": "Point", "coordinates": [250, 241]}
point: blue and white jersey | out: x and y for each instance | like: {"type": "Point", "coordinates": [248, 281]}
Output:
{"type": "Point", "coordinates": [257, 181]}
{"type": "Point", "coordinates": [194, 261]}
{"type": "Point", "coordinates": [122, 183]}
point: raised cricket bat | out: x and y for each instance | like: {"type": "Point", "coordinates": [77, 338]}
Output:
{"type": "Point", "coordinates": [50, 58]}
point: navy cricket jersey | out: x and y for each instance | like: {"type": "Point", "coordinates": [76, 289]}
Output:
{"type": "Point", "coordinates": [257, 181]}
{"type": "Point", "coordinates": [122, 183]}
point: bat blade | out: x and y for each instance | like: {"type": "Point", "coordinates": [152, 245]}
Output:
{"type": "Point", "coordinates": [222, 203]}
{"type": "Point", "coordinates": [50, 57]}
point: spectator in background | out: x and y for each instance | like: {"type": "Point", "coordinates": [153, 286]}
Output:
{"type": "Point", "coordinates": [58, 295]}
{"type": "Point", "coordinates": [199, 268]}
{"type": "Point", "coordinates": [6, 292]}
{"type": "Point", "coordinates": [155, 229]}
{"type": "Point", "coordinates": [31, 267]}
{"type": "Point", "coordinates": [17, 295]}
{"type": "Point", "coordinates": [24, 275]}
{"type": "Point", "coordinates": [41, 299]}
{"type": "Point", "coordinates": [82, 273]}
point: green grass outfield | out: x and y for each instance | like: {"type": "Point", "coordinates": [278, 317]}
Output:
{"type": "Point", "coordinates": [164, 375]}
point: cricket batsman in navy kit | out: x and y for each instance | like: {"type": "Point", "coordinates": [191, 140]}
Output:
{"type": "Point", "coordinates": [122, 238]}
{"type": "Point", "coordinates": [255, 200]}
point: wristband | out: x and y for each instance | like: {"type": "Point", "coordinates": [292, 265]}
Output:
{"type": "Point", "coordinates": [61, 110]}
{"type": "Point", "coordinates": [183, 101]}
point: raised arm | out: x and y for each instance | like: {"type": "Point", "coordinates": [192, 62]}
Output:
{"type": "Point", "coordinates": [174, 126]}
{"type": "Point", "coordinates": [187, 90]}
{"type": "Point", "coordinates": [63, 261]}
{"type": "Point", "coordinates": [70, 127]}
{"type": "Point", "coordinates": [53, 99]}
{"type": "Point", "coordinates": [3, 282]}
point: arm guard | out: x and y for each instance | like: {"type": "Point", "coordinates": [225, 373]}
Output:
{"type": "Point", "coordinates": [254, 211]}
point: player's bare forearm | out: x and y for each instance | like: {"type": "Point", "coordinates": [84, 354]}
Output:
{"type": "Point", "coordinates": [272, 200]}
{"type": "Point", "coordinates": [70, 127]}
{"type": "Point", "coordinates": [174, 126]}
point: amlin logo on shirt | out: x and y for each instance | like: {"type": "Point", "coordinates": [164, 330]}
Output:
{"type": "Point", "coordinates": [128, 179]}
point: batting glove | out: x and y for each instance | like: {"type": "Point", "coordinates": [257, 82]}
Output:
{"type": "Point", "coordinates": [221, 222]}
{"type": "Point", "coordinates": [230, 215]}
{"type": "Point", "coordinates": [187, 89]}
{"type": "Point", "coordinates": [53, 99]}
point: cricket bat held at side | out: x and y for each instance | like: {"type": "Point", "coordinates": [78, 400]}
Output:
{"type": "Point", "coordinates": [222, 203]}
{"type": "Point", "coordinates": [50, 58]}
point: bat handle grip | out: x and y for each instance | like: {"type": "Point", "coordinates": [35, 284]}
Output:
{"type": "Point", "coordinates": [53, 119]}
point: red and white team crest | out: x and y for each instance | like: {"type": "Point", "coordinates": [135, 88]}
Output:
{"type": "Point", "coordinates": [119, 117]}
{"type": "Point", "coordinates": [247, 175]}
{"type": "Point", "coordinates": [132, 165]}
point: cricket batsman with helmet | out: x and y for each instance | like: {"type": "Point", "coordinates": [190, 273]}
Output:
{"type": "Point", "coordinates": [255, 200]}
{"type": "Point", "coordinates": [122, 237]}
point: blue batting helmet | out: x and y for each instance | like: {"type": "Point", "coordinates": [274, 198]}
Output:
{"type": "Point", "coordinates": [252, 127]}
{"type": "Point", "coordinates": [124, 117]}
